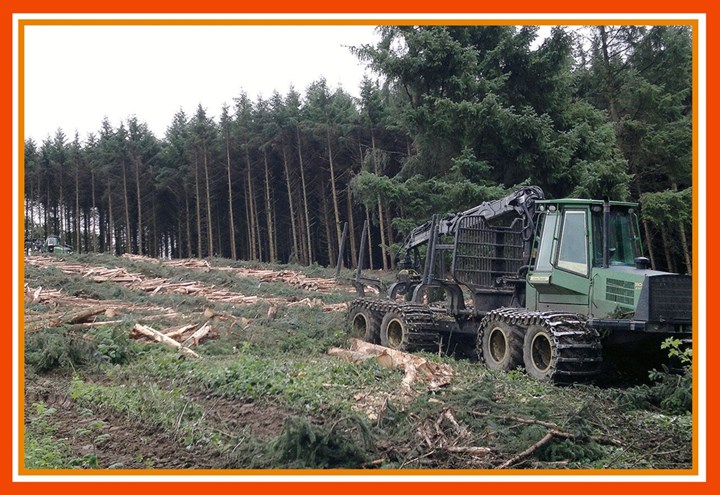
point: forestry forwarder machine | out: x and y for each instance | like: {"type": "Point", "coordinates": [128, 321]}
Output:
{"type": "Point", "coordinates": [555, 285]}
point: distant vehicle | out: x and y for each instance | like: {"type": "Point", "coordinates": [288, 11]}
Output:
{"type": "Point", "coordinates": [52, 245]}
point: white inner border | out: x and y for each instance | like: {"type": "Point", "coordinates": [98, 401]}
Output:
{"type": "Point", "coordinates": [700, 358]}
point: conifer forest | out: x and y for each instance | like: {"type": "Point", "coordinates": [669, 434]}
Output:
{"type": "Point", "coordinates": [448, 117]}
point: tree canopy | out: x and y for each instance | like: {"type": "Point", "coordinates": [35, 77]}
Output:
{"type": "Point", "coordinates": [452, 116]}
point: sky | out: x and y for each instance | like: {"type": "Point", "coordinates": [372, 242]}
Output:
{"type": "Point", "coordinates": [75, 76]}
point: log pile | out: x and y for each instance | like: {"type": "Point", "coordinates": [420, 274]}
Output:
{"type": "Point", "coordinates": [288, 277]}
{"type": "Point", "coordinates": [54, 311]}
{"type": "Point", "coordinates": [136, 281]}
{"type": "Point", "coordinates": [187, 263]}
{"type": "Point", "coordinates": [138, 257]}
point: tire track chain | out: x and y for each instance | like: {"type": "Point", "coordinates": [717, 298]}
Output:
{"type": "Point", "coordinates": [577, 349]}
{"type": "Point", "coordinates": [420, 320]}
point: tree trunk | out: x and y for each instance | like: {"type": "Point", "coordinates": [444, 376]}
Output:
{"type": "Point", "coordinates": [93, 225]}
{"type": "Point", "coordinates": [188, 234]}
{"type": "Point", "coordinates": [155, 249]}
{"type": "Point", "coordinates": [648, 242]}
{"type": "Point", "coordinates": [128, 247]}
{"type": "Point", "coordinates": [46, 209]}
{"type": "Point", "coordinates": [683, 240]}
{"type": "Point", "coordinates": [249, 230]}
{"type": "Point", "coordinates": [607, 74]}
{"type": "Point", "coordinates": [86, 229]}
{"type": "Point", "coordinates": [305, 201]}
{"type": "Point", "coordinates": [256, 240]}
{"type": "Point", "coordinates": [666, 246]}
{"type": "Point", "coordinates": [197, 209]}
{"type": "Point", "coordinates": [178, 241]}
{"type": "Point", "coordinates": [648, 238]}
{"type": "Point", "coordinates": [389, 236]}
{"type": "Point", "coordinates": [111, 223]}
{"type": "Point", "coordinates": [77, 206]}
{"type": "Point", "coordinates": [293, 227]}
{"type": "Point", "coordinates": [211, 248]}
{"type": "Point", "coordinates": [351, 228]}
{"type": "Point", "coordinates": [336, 209]}
{"type": "Point", "coordinates": [59, 208]}
{"type": "Point", "coordinates": [269, 212]}
{"type": "Point", "coordinates": [233, 249]}
{"type": "Point", "coordinates": [301, 236]}
{"type": "Point", "coordinates": [139, 206]}
{"type": "Point", "coordinates": [369, 238]}
{"type": "Point", "coordinates": [218, 233]}
{"type": "Point", "coordinates": [258, 229]}
{"type": "Point", "coordinates": [328, 231]}
{"type": "Point", "coordinates": [685, 248]}
{"type": "Point", "coordinates": [383, 245]}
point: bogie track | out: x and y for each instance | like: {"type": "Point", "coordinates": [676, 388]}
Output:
{"type": "Point", "coordinates": [403, 326]}
{"type": "Point", "coordinates": [552, 346]}
{"type": "Point", "coordinates": [557, 347]}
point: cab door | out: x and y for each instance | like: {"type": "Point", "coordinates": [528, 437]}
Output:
{"type": "Point", "coordinates": [563, 284]}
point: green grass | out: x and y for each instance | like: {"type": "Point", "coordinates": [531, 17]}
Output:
{"type": "Point", "coordinates": [42, 450]}
{"type": "Point", "coordinates": [282, 365]}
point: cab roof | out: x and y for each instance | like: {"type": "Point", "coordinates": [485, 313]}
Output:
{"type": "Point", "coordinates": [583, 202]}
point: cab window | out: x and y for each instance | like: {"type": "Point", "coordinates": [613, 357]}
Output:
{"type": "Point", "coordinates": [573, 243]}
{"type": "Point", "coordinates": [546, 243]}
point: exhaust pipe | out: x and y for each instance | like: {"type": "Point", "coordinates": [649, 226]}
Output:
{"type": "Point", "coordinates": [606, 234]}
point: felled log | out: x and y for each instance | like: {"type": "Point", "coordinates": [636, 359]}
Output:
{"type": "Point", "coordinates": [348, 355]}
{"type": "Point", "coordinates": [91, 324]}
{"type": "Point", "coordinates": [164, 339]}
{"type": "Point", "coordinates": [436, 375]}
{"type": "Point", "coordinates": [72, 318]}
{"type": "Point", "coordinates": [179, 331]}
{"type": "Point", "coordinates": [198, 334]}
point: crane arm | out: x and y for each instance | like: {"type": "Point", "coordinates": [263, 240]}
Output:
{"type": "Point", "coordinates": [519, 203]}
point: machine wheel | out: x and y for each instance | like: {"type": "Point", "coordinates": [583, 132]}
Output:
{"type": "Point", "coordinates": [364, 324]}
{"type": "Point", "coordinates": [501, 346]}
{"type": "Point", "coordinates": [394, 332]}
{"type": "Point", "coordinates": [540, 353]}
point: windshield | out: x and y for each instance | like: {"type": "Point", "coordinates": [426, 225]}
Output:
{"type": "Point", "coordinates": [623, 239]}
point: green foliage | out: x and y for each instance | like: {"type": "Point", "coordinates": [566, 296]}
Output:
{"type": "Point", "coordinates": [113, 345]}
{"type": "Point", "coordinates": [572, 451]}
{"type": "Point", "coordinates": [58, 349]}
{"type": "Point", "coordinates": [670, 390]}
{"type": "Point", "coordinates": [300, 384]}
{"type": "Point", "coordinates": [465, 112]}
{"type": "Point", "coordinates": [41, 450]}
{"type": "Point", "coordinates": [667, 207]}
{"type": "Point", "coordinates": [48, 350]}
{"type": "Point", "coordinates": [343, 444]}
{"type": "Point", "coordinates": [679, 351]}
{"type": "Point", "coordinates": [150, 405]}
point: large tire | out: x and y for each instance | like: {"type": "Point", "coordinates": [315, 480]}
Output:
{"type": "Point", "coordinates": [394, 332]}
{"type": "Point", "coordinates": [540, 353]}
{"type": "Point", "coordinates": [364, 324]}
{"type": "Point", "coordinates": [501, 346]}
